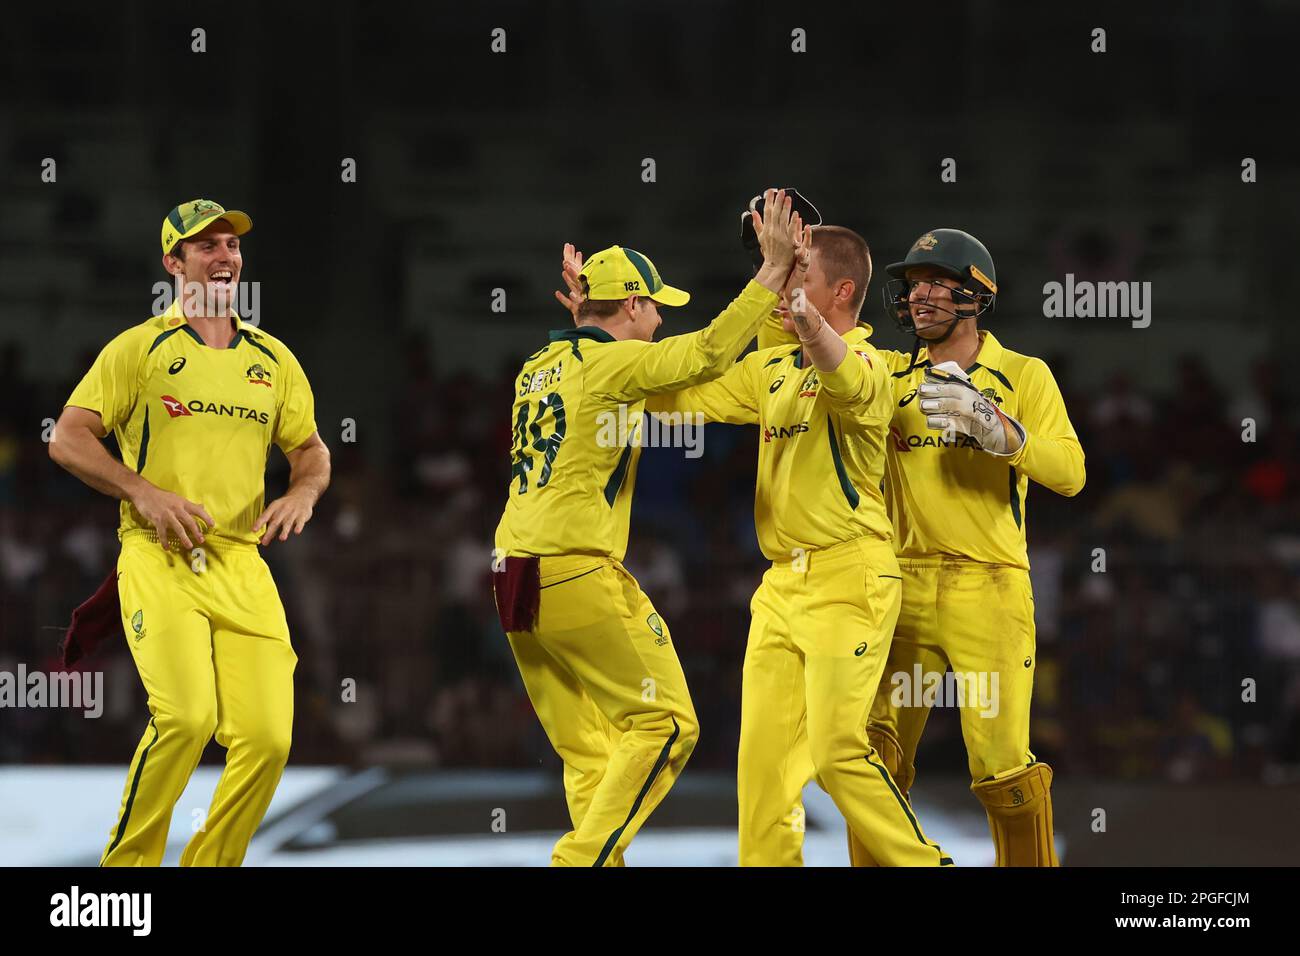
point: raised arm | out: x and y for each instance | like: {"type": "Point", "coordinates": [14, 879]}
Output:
{"type": "Point", "coordinates": [634, 370]}
{"type": "Point", "coordinates": [729, 398]}
{"type": "Point", "coordinates": [852, 380]}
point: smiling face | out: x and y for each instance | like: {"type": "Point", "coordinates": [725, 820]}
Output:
{"type": "Point", "coordinates": [210, 260]}
{"type": "Point", "coordinates": [930, 300]}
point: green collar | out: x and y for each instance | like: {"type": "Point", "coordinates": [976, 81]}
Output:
{"type": "Point", "coordinates": [583, 332]}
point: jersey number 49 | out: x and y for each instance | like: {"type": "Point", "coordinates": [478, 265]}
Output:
{"type": "Point", "coordinates": [530, 440]}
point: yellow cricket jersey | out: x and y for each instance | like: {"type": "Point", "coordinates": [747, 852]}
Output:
{"type": "Point", "coordinates": [198, 421]}
{"type": "Point", "coordinates": [772, 333]}
{"type": "Point", "coordinates": [577, 414]}
{"type": "Point", "coordinates": [953, 498]}
{"type": "Point", "coordinates": [822, 452]}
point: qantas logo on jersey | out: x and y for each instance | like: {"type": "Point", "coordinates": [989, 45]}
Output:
{"type": "Point", "coordinates": [908, 442]}
{"type": "Point", "coordinates": [784, 431]}
{"type": "Point", "coordinates": [179, 409]}
{"type": "Point", "coordinates": [175, 407]}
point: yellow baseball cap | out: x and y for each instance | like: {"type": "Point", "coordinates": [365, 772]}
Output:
{"type": "Point", "coordinates": [196, 215]}
{"type": "Point", "coordinates": [616, 273]}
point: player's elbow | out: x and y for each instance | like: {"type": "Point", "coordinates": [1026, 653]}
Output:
{"type": "Point", "coordinates": [327, 464]}
{"type": "Point", "coordinates": [1074, 484]}
{"type": "Point", "coordinates": [714, 363]}
{"type": "Point", "coordinates": [71, 436]}
{"type": "Point", "coordinates": [713, 354]}
{"type": "Point", "coordinates": [58, 450]}
{"type": "Point", "coordinates": [706, 369]}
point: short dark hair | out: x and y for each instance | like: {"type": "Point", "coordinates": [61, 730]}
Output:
{"type": "Point", "coordinates": [593, 309]}
{"type": "Point", "coordinates": [844, 254]}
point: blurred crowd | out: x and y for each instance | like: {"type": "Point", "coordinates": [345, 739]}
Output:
{"type": "Point", "coordinates": [1167, 605]}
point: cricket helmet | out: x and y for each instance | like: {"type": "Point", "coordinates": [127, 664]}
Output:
{"type": "Point", "coordinates": [956, 254]}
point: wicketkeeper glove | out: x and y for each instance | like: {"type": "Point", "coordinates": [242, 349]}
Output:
{"type": "Point", "coordinates": [951, 401]}
{"type": "Point", "coordinates": [749, 239]}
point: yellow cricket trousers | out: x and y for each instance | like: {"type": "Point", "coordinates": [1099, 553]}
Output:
{"type": "Point", "coordinates": [818, 640]}
{"type": "Point", "coordinates": [600, 669]}
{"type": "Point", "coordinates": [209, 637]}
{"type": "Point", "coordinates": [979, 619]}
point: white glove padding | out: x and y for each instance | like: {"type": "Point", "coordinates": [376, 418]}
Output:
{"type": "Point", "coordinates": [952, 402]}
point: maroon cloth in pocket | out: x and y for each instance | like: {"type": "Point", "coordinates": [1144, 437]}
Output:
{"type": "Point", "coordinates": [95, 620]}
{"type": "Point", "coordinates": [518, 587]}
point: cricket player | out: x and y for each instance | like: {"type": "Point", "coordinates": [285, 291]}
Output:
{"type": "Point", "coordinates": [958, 503]}
{"type": "Point", "coordinates": [196, 397]}
{"type": "Point", "coordinates": [973, 422]}
{"type": "Point", "coordinates": [596, 659]}
{"type": "Point", "coordinates": [823, 617]}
